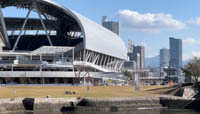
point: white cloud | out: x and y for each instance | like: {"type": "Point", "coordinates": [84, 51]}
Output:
{"type": "Point", "coordinates": [191, 55]}
{"type": "Point", "coordinates": [191, 41]}
{"type": "Point", "coordinates": [190, 45]}
{"type": "Point", "coordinates": [195, 21]}
{"type": "Point", "coordinates": [196, 53]}
{"type": "Point", "coordinates": [149, 22]}
{"type": "Point", "coordinates": [186, 57]}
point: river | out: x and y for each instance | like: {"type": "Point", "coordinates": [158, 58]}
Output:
{"type": "Point", "coordinates": [163, 111]}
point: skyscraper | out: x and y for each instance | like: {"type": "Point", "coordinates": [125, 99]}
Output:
{"type": "Point", "coordinates": [112, 26]}
{"type": "Point", "coordinates": [176, 54]}
{"type": "Point", "coordinates": [164, 60]}
{"type": "Point", "coordinates": [164, 57]}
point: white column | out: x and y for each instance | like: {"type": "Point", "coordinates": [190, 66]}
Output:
{"type": "Point", "coordinates": [5, 34]}
{"type": "Point", "coordinates": [20, 33]}
{"type": "Point", "coordinates": [39, 14]}
{"type": "Point", "coordinates": [73, 58]}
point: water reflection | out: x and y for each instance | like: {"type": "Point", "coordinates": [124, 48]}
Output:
{"type": "Point", "coordinates": [125, 112]}
{"type": "Point", "coordinates": [28, 112]}
{"type": "Point", "coordinates": [181, 111]}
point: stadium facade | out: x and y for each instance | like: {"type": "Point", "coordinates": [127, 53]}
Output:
{"type": "Point", "coordinates": [60, 46]}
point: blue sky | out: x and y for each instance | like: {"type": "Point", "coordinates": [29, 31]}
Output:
{"type": "Point", "coordinates": [146, 22]}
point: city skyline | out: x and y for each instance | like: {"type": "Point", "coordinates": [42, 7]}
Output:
{"type": "Point", "coordinates": [169, 15]}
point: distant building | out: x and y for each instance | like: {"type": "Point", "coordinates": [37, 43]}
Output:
{"type": "Point", "coordinates": [130, 65]}
{"type": "Point", "coordinates": [138, 55]}
{"type": "Point", "coordinates": [131, 56]}
{"type": "Point", "coordinates": [176, 54]}
{"type": "Point", "coordinates": [112, 26]}
{"type": "Point", "coordinates": [164, 59]}
{"type": "Point", "coordinates": [155, 72]}
{"type": "Point", "coordinates": [139, 52]}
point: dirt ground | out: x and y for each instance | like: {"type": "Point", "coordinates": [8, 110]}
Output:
{"type": "Point", "coordinates": [93, 92]}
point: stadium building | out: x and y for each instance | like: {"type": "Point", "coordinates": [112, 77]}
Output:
{"type": "Point", "coordinates": [58, 46]}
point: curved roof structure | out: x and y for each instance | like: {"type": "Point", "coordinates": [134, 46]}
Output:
{"type": "Point", "coordinates": [96, 37]}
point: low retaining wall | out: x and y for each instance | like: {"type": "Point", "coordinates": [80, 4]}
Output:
{"type": "Point", "coordinates": [88, 104]}
{"type": "Point", "coordinates": [187, 92]}
{"type": "Point", "coordinates": [180, 103]}
{"type": "Point", "coordinates": [20, 104]}
{"type": "Point", "coordinates": [11, 105]}
{"type": "Point", "coordinates": [119, 102]}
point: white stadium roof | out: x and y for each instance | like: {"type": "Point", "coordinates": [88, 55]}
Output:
{"type": "Point", "coordinates": [97, 38]}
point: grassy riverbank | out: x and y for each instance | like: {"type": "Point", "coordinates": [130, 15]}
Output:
{"type": "Point", "coordinates": [93, 92]}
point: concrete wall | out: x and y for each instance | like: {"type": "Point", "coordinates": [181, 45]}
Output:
{"type": "Point", "coordinates": [58, 74]}
{"type": "Point", "coordinates": [36, 74]}
{"type": "Point", "coordinates": [109, 104]}
{"type": "Point", "coordinates": [9, 105]}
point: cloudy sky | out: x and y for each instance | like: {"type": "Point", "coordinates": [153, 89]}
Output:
{"type": "Point", "coordinates": [146, 22]}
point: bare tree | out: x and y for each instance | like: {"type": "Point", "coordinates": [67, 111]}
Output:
{"type": "Point", "coordinates": [193, 68]}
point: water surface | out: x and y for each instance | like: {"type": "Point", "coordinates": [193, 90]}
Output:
{"type": "Point", "coordinates": [163, 111]}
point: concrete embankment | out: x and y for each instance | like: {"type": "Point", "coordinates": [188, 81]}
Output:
{"type": "Point", "coordinates": [120, 104]}
{"type": "Point", "coordinates": [90, 104]}
{"type": "Point", "coordinates": [32, 104]}
{"type": "Point", "coordinates": [180, 103]}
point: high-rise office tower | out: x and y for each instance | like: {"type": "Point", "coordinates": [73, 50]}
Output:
{"type": "Point", "coordinates": [176, 54]}
{"type": "Point", "coordinates": [164, 57]}
{"type": "Point", "coordinates": [164, 60]}
{"type": "Point", "coordinates": [112, 26]}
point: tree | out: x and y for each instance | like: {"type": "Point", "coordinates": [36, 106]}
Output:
{"type": "Point", "coordinates": [193, 68]}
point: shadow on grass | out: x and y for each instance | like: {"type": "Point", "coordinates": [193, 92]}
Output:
{"type": "Point", "coordinates": [168, 90]}
{"type": "Point", "coordinates": [160, 89]}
